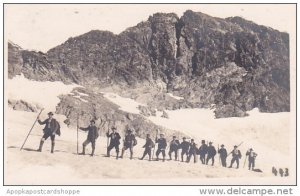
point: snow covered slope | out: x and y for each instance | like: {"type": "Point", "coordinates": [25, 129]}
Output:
{"type": "Point", "coordinates": [266, 133]}
{"type": "Point", "coordinates": [44, 94]}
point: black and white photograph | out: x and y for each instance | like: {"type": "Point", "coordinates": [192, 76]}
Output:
{"type": "Point", "coordinates": [149, 94]}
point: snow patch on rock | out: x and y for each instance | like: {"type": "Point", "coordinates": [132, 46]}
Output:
{"type": "Point", "coordinates": [126, 104]}
{"type": "Point", "coordinates": [175, 97]}
{"type": "Point", "coordinates": [44, 94]}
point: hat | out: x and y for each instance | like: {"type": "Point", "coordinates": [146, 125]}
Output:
{"type": "Point", "coordinates": [251, 149]}
{"type": "Point", "coordinates": [184, 138]}
{"type": "Point", "coordinates": [210, 143]}
{"type": "Point", "coordinates": [235, 146]}
{"type": "Point", "coordinates": [161, 134]}
{"type": "Point", "coordinates": [222, 145]}
{"type": "Point", "coordinates": [192, 140]}
{"type": "Point", "coordinates": [203, 141]}
{"type": "Point", "coordinates": [50, 113]}
{"type": "Point", "coordinates": [92, 121]}
{"type": "Point", "coordinates": [174, 136]}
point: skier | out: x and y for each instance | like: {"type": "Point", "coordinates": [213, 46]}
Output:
{"type": "Point", "coordinates": [148, 147]}
{"type": "Point", "coordinates": [129, 143]}
{"type": "Point", "coordinates": [211, 153]}
{"type": "Point", "coordinates": [236, 155]}
{"type": "Point", "coordinates": [203, 151]}
{"type": "Point", "coordinates": [251, 158]}
{"type": "Point", "coordinates": [223, 155]}
{"type": "Point", "coordinates": [51, 128]}
{"type": "Point", "coordinates": [162, 145]}
{"type": "Point", "coordinates": [91, 137]}
{"type": "Point", "coordinates": [114, 141]}
{"type": "Point", "coordinates": [184, 148]}
{"type": "Point", "coordinates": [174, 146]}
{"type": "Point", "coordinates": [193, 151]}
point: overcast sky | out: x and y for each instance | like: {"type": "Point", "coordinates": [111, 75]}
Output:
{"type": "Point", "coordinates": [42, 27]}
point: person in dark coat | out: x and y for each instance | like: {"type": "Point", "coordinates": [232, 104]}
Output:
{"type": "Point", "coordinates": [223, 155]}
{"type": "Point", "coordinates": [203, 151]}
{"type": "Point", "coordinates": [51, 128]}
{"type": "Point", "coordinates": [91, 137]}
{"type": "Point", "coordinates": [251, 158]}
{"type": "Point", "coordinates": [148, 147]}
{"type": "Point", "coordinates": [162, 145]}
{"type": "Point", "coordinates": [211, 153]}
{"type": "Point", "coordinates": [174, 146]}
{"type": "Point", "coordinates": [129, 143]}
{"type": "Point", "coordinates": [193, 151]}
{"type": "Point", "coordinates": [236, 155]}
{"type": "Point", "coordinates": [185, 145]}
{"type": "Point", "coordinates": [114, 141]}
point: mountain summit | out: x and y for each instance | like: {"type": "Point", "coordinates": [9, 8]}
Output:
{"type": "Point", "coordinates": [231, 63]}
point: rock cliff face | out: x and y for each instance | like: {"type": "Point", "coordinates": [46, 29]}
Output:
{"type": "Point", "coordinates": [232, 63]}
{"type": "Point", "coordinates": [22, 105]}
{"type": "Point", "coordinates": [106, 114]}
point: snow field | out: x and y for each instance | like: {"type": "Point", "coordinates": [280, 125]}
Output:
{"type": "Point", "coordinates": [267, 134]}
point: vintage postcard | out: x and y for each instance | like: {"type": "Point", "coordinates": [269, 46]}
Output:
{"type": "Point", "coordinates": [150, 94]}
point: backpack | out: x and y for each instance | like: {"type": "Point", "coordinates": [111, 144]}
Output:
{"type": "Point", "coordinates": [240, 155]}
{"type": "Point", "coordinates": [214, 152]}
{"type": "Point", "coordinates": [134, 142]}
{"type": "Point", "coordinates": [97, 133]}
{"type": "Point", "coordinates": [152, 144]}
{"type": "Point", "coordinates": [57, 132]}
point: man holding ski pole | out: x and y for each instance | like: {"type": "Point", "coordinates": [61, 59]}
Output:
{"type": "Point", "coordinates": [251, 158]}
{"type": "Point", "coordinates": [114, 141]}
{"type": "Point", "coordinates": [51, 128]}
{"type": "Point", "coordinates": [91, 137]}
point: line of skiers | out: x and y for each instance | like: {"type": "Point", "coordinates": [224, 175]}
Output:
{"type": "Point", "coordinates": [188, 149]}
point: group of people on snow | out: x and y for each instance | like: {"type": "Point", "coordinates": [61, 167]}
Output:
{"type": "Point", "coordinates": [189, 149]}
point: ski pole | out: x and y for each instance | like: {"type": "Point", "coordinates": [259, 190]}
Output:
{"type": "Point", "coordinates": [77, 132]}
{"type": "Point", "coordinates": [107, 143]}
{"type": "Point", "coordinates": [245, 161]}
{"type": "Point", "coordinates": [31, 129]}
{"type": "Point", "coordinates": [154, 144]}
{"type": "Point", "coordinates": [219, 154]}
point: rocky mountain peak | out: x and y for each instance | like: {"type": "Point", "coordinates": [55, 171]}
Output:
{"type": "Point", "coordinates": [232, 63]}
{"type": "Point", "coordinates": [163, 18]}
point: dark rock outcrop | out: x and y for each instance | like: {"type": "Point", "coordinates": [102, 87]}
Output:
{"type": "Point", "coordinates": [22, 105]}
{"type": "Point", "coordinates": [105, 113]}
{"type": "Point", "coordinates": [165, 114]}
{"type": "Point", "coordinates": [232, 62]}
{"type": "Point", "coordinates": [146, 111]}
